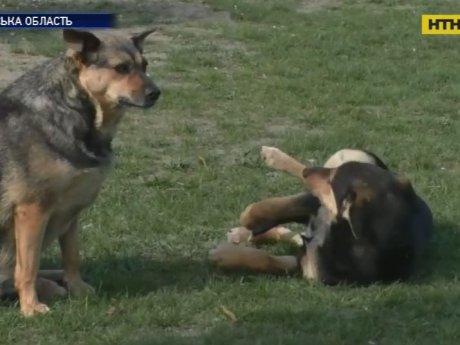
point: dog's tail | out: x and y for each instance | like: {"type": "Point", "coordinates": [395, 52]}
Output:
{"type": "Point", "coordinates": [233, 256]}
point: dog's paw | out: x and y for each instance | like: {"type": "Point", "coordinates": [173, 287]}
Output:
{"type": "Point", "coordinates": [239, 235]}
{"type": "Point", "coordinates": [297, 240]}
{"type": "Point", "coordinates": [78, 288]}
{"type": "Point", "coordinates": [48, 290]}
{"type": "Point", "coordinates": [273, 157]}
{"type": "Point", "coordinates": [35, 308]}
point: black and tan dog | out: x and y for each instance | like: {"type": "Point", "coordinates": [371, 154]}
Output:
{"type": "Point", "coordinates": [364, 223]}
{"type": "Point", "coordinates": [56, 127]}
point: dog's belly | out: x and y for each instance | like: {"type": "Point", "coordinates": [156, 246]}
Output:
{"type": "Point", "coordinates": [79, 193]}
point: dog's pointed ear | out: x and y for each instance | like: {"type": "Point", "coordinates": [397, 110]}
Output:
{"type": "Point", "coordinates": [81, 42]}
{"type": "Point", "coordinates": [319, 180]}
{"type": "Point", "coordinates": [139, 38]}
{"type": "Point", "coordinates": [317, 177]}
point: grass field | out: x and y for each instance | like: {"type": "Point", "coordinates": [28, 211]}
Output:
{"type": "Point", "coordinates": [309, 77]}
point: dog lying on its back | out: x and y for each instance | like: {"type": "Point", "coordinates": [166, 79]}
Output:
{"type": "Point", "coordinates": [364, 224]}
{"type": "Point", "coordinates": [56, 127]}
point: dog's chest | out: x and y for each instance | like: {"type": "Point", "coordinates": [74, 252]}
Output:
{"type": "Point", "coordinates": [75, 192]}
{"type": "Point", "coordinates": [81, 189]}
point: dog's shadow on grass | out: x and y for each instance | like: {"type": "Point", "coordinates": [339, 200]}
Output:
{"type": "Point", "coordinates": [441, 260]}
{"type": "Point", "coordinates": [134, 275]}
{"type": "Point", "coordinates": [140, 275]}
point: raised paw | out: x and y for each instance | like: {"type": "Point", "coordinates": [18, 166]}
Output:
{"type": "Point", "coordinates": [35, 308]}
{"type": "Point", "coordinates": [78, 288]}
{"type": "Point", "coordinates": [273, 157]}
{"type": "Point", "coordinates": [239, 235]}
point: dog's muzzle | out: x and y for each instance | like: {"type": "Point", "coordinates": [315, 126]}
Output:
{"type": "Point", "coordinates": [151, 96]}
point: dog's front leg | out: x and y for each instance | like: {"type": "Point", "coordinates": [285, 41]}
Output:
{"type": "Point", "coordinates": [263, 215]}
{"type": "Point", "coordinates": [70, 248]}
{"type": "Point", "coordinates": [29, 227]}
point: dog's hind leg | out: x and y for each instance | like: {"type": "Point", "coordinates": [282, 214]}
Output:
{"type": "Point", "coordinates": [264, 215]}
{"type": "Point", "coordinates": [69, 244]}
{"type": "Point", "coordinates": [277, 159]}
{"type": "Point", "coordinates": [232, 256]}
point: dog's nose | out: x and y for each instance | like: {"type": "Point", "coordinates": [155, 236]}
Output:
{"type": "Point", "coordinates": [152, 94]}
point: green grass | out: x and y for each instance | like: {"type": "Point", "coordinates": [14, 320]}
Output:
{"type": "Point", "coordinates": [310, 80]}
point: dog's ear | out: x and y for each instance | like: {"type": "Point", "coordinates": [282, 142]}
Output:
{"type": "Point", "coordinates": [139, 38]}
{"type": "Point", "coordinates": [81, 42]}
{"type": "Point", "coordinates": [319, 180]}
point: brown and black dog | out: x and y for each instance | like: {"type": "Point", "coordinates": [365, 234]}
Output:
{"type": "Point", "coordinates": [364, 223]}
{"type": "Point", "coordinates": [56, 127]}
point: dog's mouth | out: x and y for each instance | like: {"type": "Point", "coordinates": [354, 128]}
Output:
{"type": "Point", "coordinates": [148, 103]}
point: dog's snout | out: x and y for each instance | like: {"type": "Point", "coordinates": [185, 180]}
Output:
{"type": "Point", "coordinates": [152, 94]}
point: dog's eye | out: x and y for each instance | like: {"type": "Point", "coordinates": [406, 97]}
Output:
{"type": "Point", "coordinates": [123, 68]}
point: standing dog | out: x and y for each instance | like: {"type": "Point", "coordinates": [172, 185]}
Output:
{"type": "Point", "coordinates": [364, 224]}
{"type": "Point", "coordinates": [56, 127]}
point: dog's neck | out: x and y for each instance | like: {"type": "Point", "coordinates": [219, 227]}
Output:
{"type": "Point", "coordinates": [100, 121]}
{"type": "Point", "coordinates": [105, 116]}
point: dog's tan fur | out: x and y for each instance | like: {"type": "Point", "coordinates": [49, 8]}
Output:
{"type": "Point", "coordinates": [229, 255]}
